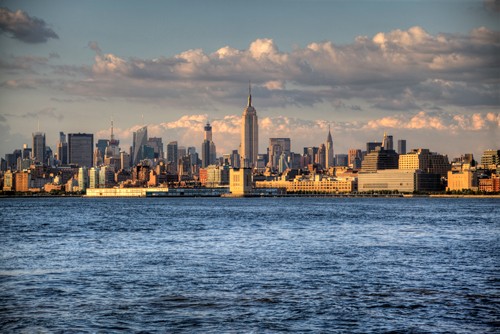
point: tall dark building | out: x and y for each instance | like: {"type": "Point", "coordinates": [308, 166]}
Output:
{"type": "Point", "coordinates": [371, 146]}
{"type": "Point", "coordinates": [402, 146]}
{"type": "Point", "coordinates": [388, 142]}
{"type": "Point", "coordinates": [157, 144]}
{"type": "Point", "coordinates": [341, 159]}
{"type": "Point", "coordinates": [62, 149]}
{"type": "Point", "coordinates": [311, 153]}
{"type": "Point", "coordinates": [172, 153]}
{"type": "Point", "coordinates": [101, 147]}
{"type": "Point", "coordinates": [39, 149]}
{"type": "Point", "coordinates": [278, 147]}
{"type": "Point", "coordinates": [208, 154]}
{"type": "Point", "coordinates": [11, 159]}
{"type": "Point", "coordinates": [140, 139]}
{"type": "Point", "coordinates": [380, 159]}
{"type": "Point", "coordinates": [80, 149]}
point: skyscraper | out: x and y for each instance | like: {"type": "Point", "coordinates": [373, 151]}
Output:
{"type": "Point", "coordinates": [312, 154]}
{"type": "Point", "coordinates": [249, 134]}
{"type": "Point", "coordinates": [140, 139]}
{"type": "Point", "coordinates": [402, 146]}
{"type": "Point", "coordinates": [83, 178]}
{"type": "Point", "coordinates": [80, 149]}
{"type": "Point", "coordinates": [354, 158]}
{"type": "Point", "coordinates": [172, 153]}
{"type": "Point", "coordinates": [39, 149]}
{"type": "Point", "coordinates": [157, 144]}
{"type": "Point", "coordinates": [278, 147]}
{"type": "Point", "coordinates": [321, 156]}
{"type": "Point", "coordinates": [387, 142]}
{"type": "Point", "coordinates": [329, 162]}
{"type": "Point", "coordinates": [101, 149]}
{"type": "Point", "coordinates": [208, 154]}
{"type": "Point", "coordinates": [62, 149]}
{"type": "Point", "coordinates": [371, 146]}
{"type": "Point", "coordinates": [112, 151]}
{"type": "Point", "coordinates": [191, 151]}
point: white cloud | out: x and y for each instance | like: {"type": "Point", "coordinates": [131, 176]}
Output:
{"type": "Point", "coordinates": [438, 121]}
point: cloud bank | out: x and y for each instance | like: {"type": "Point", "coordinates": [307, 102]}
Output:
{"type": "Point", "coordinates": [188, 131]}
{"type": "Point", "coordinates": [399, 70]}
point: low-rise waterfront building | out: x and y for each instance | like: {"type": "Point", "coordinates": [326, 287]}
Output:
{"type": "Point", "coordinates": [214, 176]}
{"type": "Point", "coordinates": [464, 180]}
{"type": "Point", "coordinates": [491, 184]}
{"type": "Point", "coordinates": [122, 192]}
{"type": "Point", "coordinates": [9, 181]}
{"type": "Point", "coordinates": [23, 181]}
{"type": "Point", "coordinates": [311, 185]}
{"type": "Point", "coordinates": [240, 181]}
{"type": "Point", "coordinates": [404, 181]}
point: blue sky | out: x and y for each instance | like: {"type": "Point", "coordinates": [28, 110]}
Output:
{"type": "Point", "coordinates": [425, 71]}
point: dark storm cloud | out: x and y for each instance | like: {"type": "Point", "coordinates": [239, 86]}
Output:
{"type": "Point", "coordinates": [45, 113]}
{"type": "Point", "coordinates": [492, 5]}
{"type": "Point", "coordinates": [21, 26]}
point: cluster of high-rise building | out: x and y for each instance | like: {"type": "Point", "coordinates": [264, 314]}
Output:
{"type": "Point", "coordinates": [80, 164]}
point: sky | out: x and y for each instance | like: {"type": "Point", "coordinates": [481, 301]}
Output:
{"type": "Point", "coordinates": [424, 71]}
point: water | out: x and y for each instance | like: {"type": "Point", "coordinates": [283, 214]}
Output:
{"type": "Point", "coordinates": [249, 265]}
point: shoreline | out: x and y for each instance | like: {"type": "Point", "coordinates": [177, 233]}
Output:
{"type": "Point", "coordinates": [282, 195]}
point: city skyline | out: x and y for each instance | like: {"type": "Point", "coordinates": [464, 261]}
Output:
{"type": "Point", "coordinates": [422, 71]}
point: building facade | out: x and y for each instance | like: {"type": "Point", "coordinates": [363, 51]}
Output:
{"type": "Point", "coordinates": [83, 178]}
{"type": "Point", "coordinates": [277, 148]}
{"type": "Point", "coordinates": [402, 146]}
{"type": "Point", "coordinates": [423, 159]}
{"type": "Point", "coordinates": [490, 158]}
{"type": "Point", "coordinates": [80, 149]}
{"type": "Point", "coordinates": [39, 149]}
{"type": "Point", "coordinates": [139, 141]}
{"type": "Point", "coordinates": [491, 184]}
{"type": "Point", "coordinates": [380, 159]}
{"type": "Point", "coordinates": [464, 180]}
{"type": "Point", "coordinates": [94, 177]}
{"type": "Point", "coordinates": [323, 186]}
{"type": "Point", "coordinates": [240, 181]}
{"type": "Point", "coordinates": [62, 149]}
{"type": "Point", "coordinates": [156, 144]}
{"type": "Point", "coordinates": [404, 181]}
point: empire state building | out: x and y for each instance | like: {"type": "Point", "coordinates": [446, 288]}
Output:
{"type": "Point", "coordinates": [249, 134]}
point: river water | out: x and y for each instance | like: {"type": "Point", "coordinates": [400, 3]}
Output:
{"type": "Point", "coordinates": [250, 265]}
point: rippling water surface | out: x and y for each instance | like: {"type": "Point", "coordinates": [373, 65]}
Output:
{"type": "Point", "coordinates": [250, 265]}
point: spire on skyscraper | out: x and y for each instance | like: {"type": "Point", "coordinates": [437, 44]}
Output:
{"type": "Point", "coordinates": [112, 136]}
{"type": "Point", "coordinates": [249, 94]}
